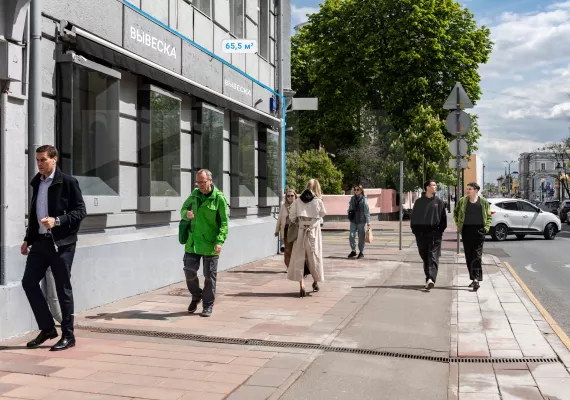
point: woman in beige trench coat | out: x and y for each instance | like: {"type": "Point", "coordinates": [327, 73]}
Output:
{"type": "Point", "coordinates": [307, 212]}
{"type": "Point", "coordinates": [283, 223]}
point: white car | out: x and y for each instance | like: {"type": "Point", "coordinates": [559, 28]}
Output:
{"type": "Point", "coordinates": [521, 218]}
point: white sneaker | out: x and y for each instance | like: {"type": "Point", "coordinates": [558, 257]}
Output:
{"type": "Point", "coordinates": [429, 284]}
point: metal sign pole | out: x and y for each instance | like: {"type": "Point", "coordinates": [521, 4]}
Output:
{"type": "Point", "coordinates": [401, 199]}
{"type": "Point", "coordinates": [458, 111]}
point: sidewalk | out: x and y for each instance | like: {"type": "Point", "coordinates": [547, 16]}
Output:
{"type": "Point", "coordinates": [262, 340]}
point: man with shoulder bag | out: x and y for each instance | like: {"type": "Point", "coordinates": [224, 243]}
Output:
{"type": "Point", "coordinates": [203, 230]}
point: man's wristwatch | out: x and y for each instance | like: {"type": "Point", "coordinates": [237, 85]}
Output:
{"type": "Point", "coordinates": [57, 222]}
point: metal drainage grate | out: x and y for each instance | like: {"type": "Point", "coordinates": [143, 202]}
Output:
{"type": "Point", "coordinates": [312, 346]}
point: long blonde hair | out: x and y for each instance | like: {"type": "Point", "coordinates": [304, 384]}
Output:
{"type": "Point", "coordinates": [314, 186]}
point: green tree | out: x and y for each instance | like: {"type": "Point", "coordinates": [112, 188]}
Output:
{"type": "Point", "coordinates": [313, 164]}
{"type": "Point", "coordinates": [396, 58]}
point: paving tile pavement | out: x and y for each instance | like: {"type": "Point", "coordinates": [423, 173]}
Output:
{"type": "Point", "coordinates": [255, 301]}
{"type": "Point", "coordinates": [500, 321]}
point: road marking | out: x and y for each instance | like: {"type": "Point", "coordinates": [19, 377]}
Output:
{"type": "Point", "coordinates": [553, 324]}
{"type": "Point", "coordinates": [529, 268]}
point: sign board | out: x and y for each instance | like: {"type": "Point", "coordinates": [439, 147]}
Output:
{"type": "Point", "coordinates": [462, 147]}
{"type": "Point", "coordinates": [464, 123]}
{"type": "Point", "coordinates": [503, 189]}
{"type": "Point", "coordinates": [462, 163]}
{"type": "Point", "coordinates": [451, 102]}
{"type": "Point", "coordinates": [239, 46]}
{"type": "Point", "coordinates": [151, 41]}
{"type": "Point", "coordinates": [306, 103]}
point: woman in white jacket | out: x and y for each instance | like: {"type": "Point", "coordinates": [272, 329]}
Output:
{"type": "Point", "coordinates": [307, 212]}
{"type": "Point", "coordinates": [283, 223]}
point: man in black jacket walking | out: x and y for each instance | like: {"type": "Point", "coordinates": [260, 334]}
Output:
{"type": "Point", "coordinates": [56, 212]}
{"type": "Point", "coordinates": [428, 222]}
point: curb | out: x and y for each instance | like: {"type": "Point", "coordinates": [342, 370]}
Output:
{"type": "Point", "coordinates": [548, 318]}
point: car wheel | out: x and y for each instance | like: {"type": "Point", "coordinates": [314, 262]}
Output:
{"type": "Point", "coordinates": [550, 231]}
{"type": "Point", "coordinates": [500, 232]}
{"type": "Point", "coordinates": [520, 237]}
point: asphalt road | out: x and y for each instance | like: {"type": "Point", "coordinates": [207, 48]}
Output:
{"type": "Point", "coordinates": [544, 266]}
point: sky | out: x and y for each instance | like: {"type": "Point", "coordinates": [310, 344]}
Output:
{"type": "Point", "coordinates": [526, 83]}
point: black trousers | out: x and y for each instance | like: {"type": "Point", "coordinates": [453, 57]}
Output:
{"type": "Point", "coordinates": [473, 239]}
{"type": "Point", "coordinates": [41, 256]}
{"type": "Point", "coordinates": [429, 247]}
{"type": "Point", "coordinates": [191, 267]}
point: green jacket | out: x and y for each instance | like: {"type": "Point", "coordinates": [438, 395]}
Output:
{"type": "Point", "coordinates": [459, 212]}
{"type": "Point", "coordinates": [210, 223]}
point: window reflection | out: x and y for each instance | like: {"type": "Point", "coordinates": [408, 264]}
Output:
{"type": "Point", "coordinates": [164, 145]}
{"type": "Point", "coordinates": [273, 167]}
{"type": "Point", "coordinates": [243, 158]}
{"type": "Point", "coordinates": [208, 142]}
{"type": "Point", "coordinates": [88, 121]}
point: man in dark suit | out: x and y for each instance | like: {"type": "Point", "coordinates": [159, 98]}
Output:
{"type": "Point", "coordinates": [55, 214]}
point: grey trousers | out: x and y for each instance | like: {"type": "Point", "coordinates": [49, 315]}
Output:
{"type": "Point", "coordinates": [191, 267]}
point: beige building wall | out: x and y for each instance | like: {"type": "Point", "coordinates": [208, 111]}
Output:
{"type": "Point", "coordinates": [470, 171]}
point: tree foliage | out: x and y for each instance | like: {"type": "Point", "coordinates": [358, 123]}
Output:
{"type": "Point", "coordinates": [379, 63]}
{"type": "Point", "coordinates": [313, 164]}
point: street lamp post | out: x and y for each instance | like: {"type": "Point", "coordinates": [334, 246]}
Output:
{"type": "Point", "coordinates": [559, 170]}
{"type": "Point", "coordinates": [510, 178]}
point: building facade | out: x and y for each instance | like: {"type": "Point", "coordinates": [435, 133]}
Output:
{"type": "Point", "coordinates": [538, 177]}
{"type": "Point", "coordinates": [138, 96]}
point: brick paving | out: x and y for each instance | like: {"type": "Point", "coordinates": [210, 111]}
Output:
{"type": "Point", "coordinates": [256, 301]}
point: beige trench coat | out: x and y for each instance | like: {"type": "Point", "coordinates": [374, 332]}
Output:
{"type": "Point", "coordinates": [283, 214]}
{"type": "Point", "coordinates": [309, 243]}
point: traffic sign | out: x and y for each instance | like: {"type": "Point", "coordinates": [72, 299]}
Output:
{"type": "Point", "coordinates": [464, 123]}
{"type": "Point", "coordinates": [462, 147]}
{"type": "Point", "coordinates": [462, 163]}
{"type": "Point", "coordinates": [451, 102]}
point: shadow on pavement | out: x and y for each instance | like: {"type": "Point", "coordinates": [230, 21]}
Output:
{"type": "Point", "coordinates": [137, 314]}
{"type": "Point", "coordinates": [250, 294]}
{"type": "Point", "coordinates": [257, 272]}
{"type": "Point", "coordinates": [412, 287]}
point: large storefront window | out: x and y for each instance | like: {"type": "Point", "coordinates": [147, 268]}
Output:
{"type": "Point", "coordinates": [204, 5]}
{"type": "Point", "coordinates": [159, 150]}
{"type": "Point", "coordinates": [88, 130]}
{"type": "Point", "coordinates": [243, 135]}
{"type": "Point", "coordinates": [208, 142]}
{"type": "Point", "coordinates": [269, 168]}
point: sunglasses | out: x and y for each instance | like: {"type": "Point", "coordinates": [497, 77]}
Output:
{"type": "Point", "coordinates": [356, 189]}
{"type": "Point", "coordinates": [290, 195]}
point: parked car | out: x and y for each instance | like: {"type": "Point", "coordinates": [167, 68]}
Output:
{"type": "Point", "coordinates": [521, 218]}
{"type": "Point", "coordinates": [550, 206]}
{"type": "Point", "coordinates": [563, 210]}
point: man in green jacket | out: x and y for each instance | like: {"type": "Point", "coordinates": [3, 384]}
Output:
{"type": "Point", "coordinates": [473, 219]}
{"type": "Point", "coordinates": [207, 209]}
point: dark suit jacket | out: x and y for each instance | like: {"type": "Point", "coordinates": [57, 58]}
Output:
{"type": "Point", "coordinates": [64, 201]}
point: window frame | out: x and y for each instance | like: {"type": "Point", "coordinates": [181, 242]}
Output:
{"type": "Point", "coordinates": [232, 19]}
{"type": "Point", "coordinates": [520, 206]}
{"type": "Point", "coordinates": [238, 201]}
{"type": "Point", "coordinates": [146, 201]}
{"type": "Point", "coordinates": [263, 38]}
{"type": "Point", "coordinates": [263, 169]}
{"type": "Point", "coordinates": [94, 204]}
{"type": "Point", "coordinates": [198, 143]}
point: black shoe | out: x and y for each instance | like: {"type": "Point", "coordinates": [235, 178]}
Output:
{"type": "Point", "coordinates": [193, 306]}
{"type": "Point", "coordinates": [360, 255]}
{"type": "Point", "coordinates": [352, 254]}
{"type": "Point", "coordinates": [207, 312]}
{"type": "Point", "coordinates": [42, 337]}
{"type": "Point", "coordinates": [475, 286]}
{"type": "Point", "coordinates": [471, 284]}
{"type": "Point", "coordinates": [63, 344]}
{"type": "Point", "coordinates": [282, 249]}
{"type": "Point", "coordinates": [302, 292]}
{"type": "Point", "coordinates": [315, 287]}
